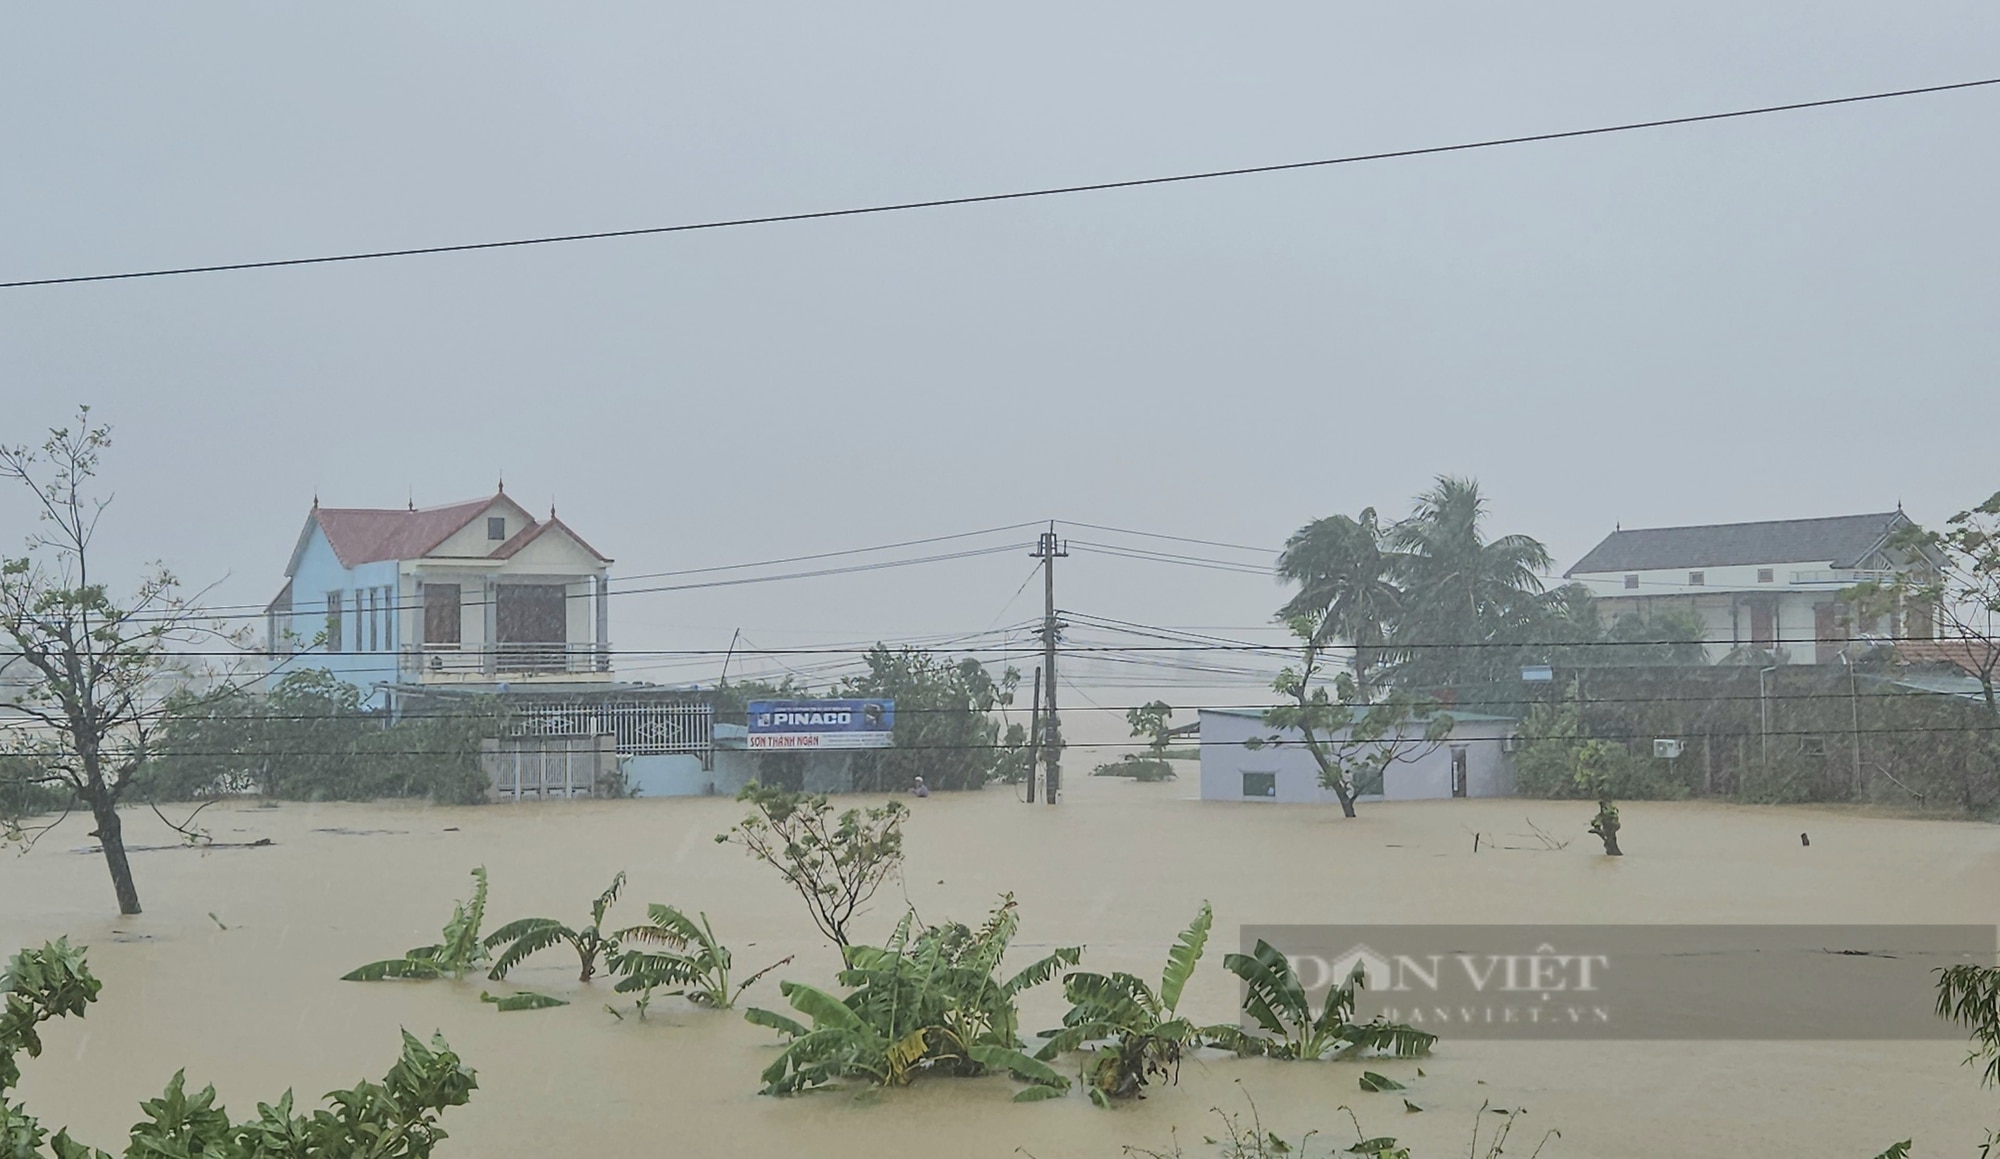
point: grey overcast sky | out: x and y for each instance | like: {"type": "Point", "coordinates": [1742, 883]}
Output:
{"type": "Point", "coordinates": [1779, 317]}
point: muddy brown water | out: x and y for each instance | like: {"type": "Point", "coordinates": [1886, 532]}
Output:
{"type": "Point", "coordinates": [257, 1006]}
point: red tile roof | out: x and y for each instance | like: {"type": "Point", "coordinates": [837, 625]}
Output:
{"type": "Point", "coordinates": [533, 531]}
{"type": "Point", "coordinates": [1968, 656]}
{"type": "Point", "coordinates": [367, 535]}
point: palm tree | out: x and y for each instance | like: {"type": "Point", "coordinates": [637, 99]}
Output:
{"type": "Point", "coordinates": [1461, 593]}
{"type": "Point", "coordinates": [1345, 584]}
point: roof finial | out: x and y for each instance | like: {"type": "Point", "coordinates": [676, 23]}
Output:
{"type": "Point", "coordinates": [503, 482]}
{"type": "Point", "coordinates": [413, 496]}
{"type": "Point", "coordinates": [552, 507]}
{"type": "Point", "coordinates": [315, 501]}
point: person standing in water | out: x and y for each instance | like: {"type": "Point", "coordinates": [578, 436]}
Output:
{"type": "Point", "coordinates": [920, 789]}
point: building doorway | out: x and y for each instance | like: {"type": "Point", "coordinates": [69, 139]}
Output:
{"type": "Point", "coordinates": [1458, 770]}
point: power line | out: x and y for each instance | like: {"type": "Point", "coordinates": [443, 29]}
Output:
{"type": "Point", "coordinates": [1175, 538]}
{"type": "Point", "coordinates": [1016, 195]}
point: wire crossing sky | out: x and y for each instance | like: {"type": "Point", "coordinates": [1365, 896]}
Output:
{"type": "Point", "coordinates": [1016, 195]}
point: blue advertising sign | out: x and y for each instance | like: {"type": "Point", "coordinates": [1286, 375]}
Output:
{"type": "Point", "coordinates": [821, 724]}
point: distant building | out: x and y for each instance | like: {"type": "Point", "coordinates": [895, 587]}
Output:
{"type": "Point", "coordinates": [475, 593]}
{"type": "Point", "coordinates": [1770, 587]}
{"type": "Point", "coordinates": [1474, 761]}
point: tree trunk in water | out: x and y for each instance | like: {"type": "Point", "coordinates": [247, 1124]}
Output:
{"type": "Point", "coordinates": [111, 835]}
{"type": "Point", "coordinates": [1346, 800]}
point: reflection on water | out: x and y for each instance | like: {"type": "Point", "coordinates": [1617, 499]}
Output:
{"type": "Point", "coordinates": [249, 998]}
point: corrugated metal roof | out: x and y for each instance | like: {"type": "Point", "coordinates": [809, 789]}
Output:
{"type": "Point", "coordinates": [1837, 541]}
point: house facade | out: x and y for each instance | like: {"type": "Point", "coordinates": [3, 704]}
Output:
{"type": "Point", "coordinates": [1474, 761]}
{"type": "Point", "coordinates": [475, 593]}
{"type": "Point", "coordinates": [1770, 587]}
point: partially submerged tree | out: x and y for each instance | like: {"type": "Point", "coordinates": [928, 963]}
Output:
{"type": "Point", "coordinates": [1352, 740]}
{"type": "Point", "coordinates": [685, 955]}
{"type": "Point", "coordinates": [945, 730]}
{"type": "Point", "coordinates": [101, 666]}
{"type": "Point", "coordinates": [1153, 723]}
{"type": "Point", "coordinates": [927, 1002]}
{"type": "Point", "coordinates": [1276, 1000]}
{"type": "Point", "coordinates": [458, 954]}
{"type": "Point", "coordinates": [526, 936]}
{"type": "Point", "coordinates": [1141, 1029]}
{"type": "Point", "coordinates": [835, 862]}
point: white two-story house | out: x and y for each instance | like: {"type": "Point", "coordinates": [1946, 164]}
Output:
{"type": "Point", "coordinates": [476, 593]}
{"type": "Point", "coordinates": [1771, 587]}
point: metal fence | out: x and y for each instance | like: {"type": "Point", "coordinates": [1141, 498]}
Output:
{"type": "Point", "coordinates": [640, 727]}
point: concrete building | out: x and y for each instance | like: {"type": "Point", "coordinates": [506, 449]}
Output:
{"type": "Point", "coordinates": [1474, 761]}
{"type": "Point", "coordinates": [476, 593]}
{"type": "Point", "coordinates": [1770, 586]}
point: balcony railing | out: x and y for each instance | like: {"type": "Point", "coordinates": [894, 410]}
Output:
{"type": "Point", "coordinates": [1843, 575]}
{"type": "Point", "coordinates": [510, 659]}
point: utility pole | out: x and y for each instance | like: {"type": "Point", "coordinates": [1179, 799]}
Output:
{"type": "Point", "coordinates": [1048, 549]}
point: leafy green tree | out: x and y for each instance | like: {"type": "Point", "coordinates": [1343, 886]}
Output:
{"type": "Point", "coordinates": [1352, 740]}
{"type": "Point", "coordinates": [945, 731]}
{"type": "Point", "coordinates": [526, 936]}
{"type": "Point", "coordinates": [460, 953]}
{"type": "Point", "coordinates": [835, 862]}
{"type": "Point", "coordinates": [1141, 1028]}
{"type": "Point", "coordinates": [924, 1004]}
{"type": "Point", "coordinates": [1346, 574]}
{"type": "Point", "coordinates": [1462, 594]}
{"type": "Point", "coordinates": [1969, 995]}
{"type": "Point", "coordinates": [394, 1119]}
{"type": "Point", "coordinates": [1955, 597]}
{"type": "Point", "coordinates": [100, 666]}
{"type": "Point", "coordinates": [1153, 723]}
{"type": "Point", "coordinates": [311, 739]}
{"type": "Point", "coordinates": [1277, 1002]}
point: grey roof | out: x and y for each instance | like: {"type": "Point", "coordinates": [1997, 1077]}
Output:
{"type": "Point", "coordinates": [1838, 541]}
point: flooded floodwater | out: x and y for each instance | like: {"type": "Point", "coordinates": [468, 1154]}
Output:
{"type": "Point", "coordinates": [233, 970]}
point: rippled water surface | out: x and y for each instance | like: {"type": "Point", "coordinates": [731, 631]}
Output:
{"type": "Point", "coordinates": [249, 998]}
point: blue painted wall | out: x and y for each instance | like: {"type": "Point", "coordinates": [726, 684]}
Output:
{"type": "Point", "coordinates": [320, 573]}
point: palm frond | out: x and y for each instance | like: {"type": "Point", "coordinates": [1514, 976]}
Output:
{"type": "Point", "coordinates": [1182, 957]}
{"type": "Point", "coordinates": [394, 968]}
{"type": "Point", "coordinates": [1043, 969]}
{"type": "Point", "coordinates": [525, 937]}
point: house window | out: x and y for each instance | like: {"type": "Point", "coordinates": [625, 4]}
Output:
{"type": "Point", "coordinates": [374, 621]}
{"type": "Point", "coordinates": [496, 527]}
{"type": "Point", "coordinates": [1766, 575]}
{"type": "Point", "coordinates": [333, 625]}
{"type": "Point", "coordinates": [1260, 784]}
{"type": "Point", "coordinates": [442, 620]}
{"type": "Point", "coordinates": [1631, 581]}
{"type": "Point", "coordinates": [1697, 579]}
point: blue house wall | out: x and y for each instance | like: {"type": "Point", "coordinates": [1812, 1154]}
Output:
{"type": "Point", "coordinates": [356, 658]}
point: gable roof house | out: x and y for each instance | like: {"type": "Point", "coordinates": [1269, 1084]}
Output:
{"type": "Point", "coordinates": [1771, 586]}
{"type": "Point", "coordinates": [474, 593]}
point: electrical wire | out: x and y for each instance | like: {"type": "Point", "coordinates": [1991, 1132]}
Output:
{"type": "Point", "coordinates": [1015, 195]}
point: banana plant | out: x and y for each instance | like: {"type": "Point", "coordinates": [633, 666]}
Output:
{"type": "Point", "coordinates": [1141, 1029]}
{"type": "Point", "coordinates": [927, 1002]}
{"type": "Point", "coordinates": [1276, 1001]}
{"type": "Point", "coordinates": [457, 955]}
{"type": "Point", "coordinates": [692, 960]}
{"type": "Point", "coordinates": [532, 935]}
